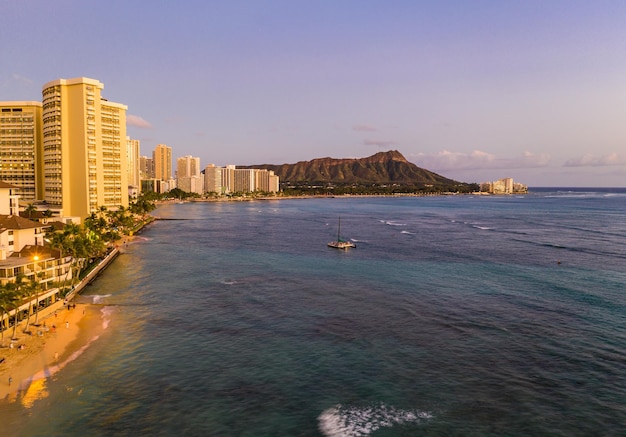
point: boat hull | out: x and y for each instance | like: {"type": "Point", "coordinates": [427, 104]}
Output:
{"type": "Point", "coordinates": [341, 245]}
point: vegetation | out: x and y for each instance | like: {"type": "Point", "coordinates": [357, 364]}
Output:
{"type": "Point", "coordinates": [86, 244]}
{"type": "Point", "coordinates": [300, 189]}
{"type": "Point", "coordinates": [289, 189]}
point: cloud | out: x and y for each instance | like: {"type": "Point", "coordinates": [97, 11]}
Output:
{"type": "Point", "coordinates": [380, 143]}
{"type": "Point", "coordinates": [137, 121]}
{"type": "Point", "coordinates": [479, 160]}
{"type": "Point", "coordinates": [589, 160]}
{"type": "Point", "coordinates": [24, 80]}
{"type": "Point", "coordinates": [363, 128]}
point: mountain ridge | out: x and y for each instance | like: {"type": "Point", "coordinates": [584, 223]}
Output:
{"type": "Point", "coordinates": [389, 167]}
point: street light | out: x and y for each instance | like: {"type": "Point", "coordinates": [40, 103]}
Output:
{"type": "Point", "coordinates": [36, 259]}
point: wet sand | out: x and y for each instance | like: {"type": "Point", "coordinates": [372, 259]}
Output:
{"type": "Point", "coordinates": [44, 351]}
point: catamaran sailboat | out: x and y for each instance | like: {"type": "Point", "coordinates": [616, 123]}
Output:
{"type": "Point", "coordinates": [340, 244]}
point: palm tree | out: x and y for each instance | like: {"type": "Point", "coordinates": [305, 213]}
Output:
{"type": "Point", "coordinates": [30, 290]}
{"type": "Point", "coordinates": [37, 285]}
{"type": "Point", "coordinates": [16, 294]}
{"type": "Point", "coordinates": [30, 209]}
{"type": "Point", "coordinates": [8, 301]}
{"type": "Point", "coordinates": [61, 242]}
{"type": "Point", "coordinates": [78, 250]}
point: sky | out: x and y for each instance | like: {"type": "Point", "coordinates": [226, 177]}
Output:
{"type": "Point", "coordinates": [474, 90]}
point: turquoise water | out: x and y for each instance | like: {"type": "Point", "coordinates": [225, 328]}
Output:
{"type": "Point", "coordinates": [455, 315]}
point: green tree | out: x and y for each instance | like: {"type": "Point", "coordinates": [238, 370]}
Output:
{"type": "Point", "coordinates": [17, 293]}
{"type": "Point", "coordinates": [9, 301]}
{"type": "Point", "coordinates": [30, 290]}
{"type": "Point", "coordinates": [30, 210]}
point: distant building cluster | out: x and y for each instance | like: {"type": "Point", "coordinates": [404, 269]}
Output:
{"type": "Point", "coordinates": [503, 186]}
{"type": "Point", "coordinates": [156, 175]}
{"type": "Point", "coordinates": [70, 153]}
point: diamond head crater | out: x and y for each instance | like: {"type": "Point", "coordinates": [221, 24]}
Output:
{"type": "Point", "coordinates": [382, 173]}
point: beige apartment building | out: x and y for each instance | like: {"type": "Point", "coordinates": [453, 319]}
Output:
{"type": "Point", "coordinates": [132, 156]}
{"type": "Point", "coordinates": [20, 145]}
{"type": "Point", "coordinates": [146, 168]}
{"type": "Point", "coordinates": [84, 148]}
{"type": "Point", "coordinates": [162, 161]}
{"type": "Point", "coordinates": [187, 166]}
{"type": "Point", "coordinates": [503, 186]}
{"type": "Point", "coordinates": [188, 176]}
{"type": "Point", "coordinates": [213, 179]}
{"type": "Point", "coordinates": [229, 179]}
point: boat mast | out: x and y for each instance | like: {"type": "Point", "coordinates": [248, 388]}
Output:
{"type": "Point", "coordinates": [339, 230]}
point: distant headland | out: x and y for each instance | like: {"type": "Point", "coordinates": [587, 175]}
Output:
{"type": "Point", "coordinates": [382, 173]}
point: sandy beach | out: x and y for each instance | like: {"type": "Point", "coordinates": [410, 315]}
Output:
{"type": "Point", "coordinates": [37, 356]}
{"type": "Point", "coordinates": [60, 335]}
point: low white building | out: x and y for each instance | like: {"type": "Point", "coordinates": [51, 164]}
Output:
{"type": "Point", "coordinates": [23, 257]}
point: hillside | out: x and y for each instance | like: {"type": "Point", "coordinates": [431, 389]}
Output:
{"type": "Point", "coordinates": [382, 168]}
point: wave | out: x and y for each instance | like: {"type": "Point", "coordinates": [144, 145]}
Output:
{"type": "Point", "coordinates": [106, 316]}
{"type": "Point", "coordinates": [34, 388]}
{"type": "Point", "coordinates": [97, 299]}
{"type": "Point", "coordinates": [408, 232]}
{"type": "Point", "coordinates": [584, 194]}
{"type": "Point", "coordinates": [484, 228]}
{"type": "Point", "coordinates": [346, 421]}
{"type": "Point", "coordinates": [392, 223]}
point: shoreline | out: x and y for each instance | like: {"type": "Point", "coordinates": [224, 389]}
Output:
{"type": "Point", "coordinates": [44, 352]}
{"type": "Point", "coordinates": [329, 196]}
{"type": "Point", "coordinates": [38, 355]}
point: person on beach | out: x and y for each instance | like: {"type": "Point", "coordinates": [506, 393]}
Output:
{"type": "Point", "coordinates": [67, 324]}
{"type": "Point", "coordinates": [10, 380]}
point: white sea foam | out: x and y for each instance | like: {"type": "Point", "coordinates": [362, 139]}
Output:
{"type": "Point", "coordinates": [484, 228]}
{"type": "Point", "coordinates": [106, 316]}
{"type": "Point", "coordinates": [392, 223]}
{"type": "Point", "coordinates": [346, 421]}
{"type": "Point", "coordinates": [408, 232]}
{"type": "Point", "coordinates": [98, 298]}
{"type": "Point", "coordinates": [53, 369]}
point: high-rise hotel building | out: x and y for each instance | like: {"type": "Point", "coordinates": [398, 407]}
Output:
{"type": "Point", "coordinates": [162, 161]}
{"type": "Point", "coordinates": [133, 164]}
{"type": "Point", "coordinates": [84, 148]}
{"type": "Point", "coordinates": [20, 138]}
{"type": "Point", "coordinates": [188, 176]}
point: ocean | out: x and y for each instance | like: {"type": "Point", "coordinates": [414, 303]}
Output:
{"type": "Point", "coordinates": [454, 316]}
